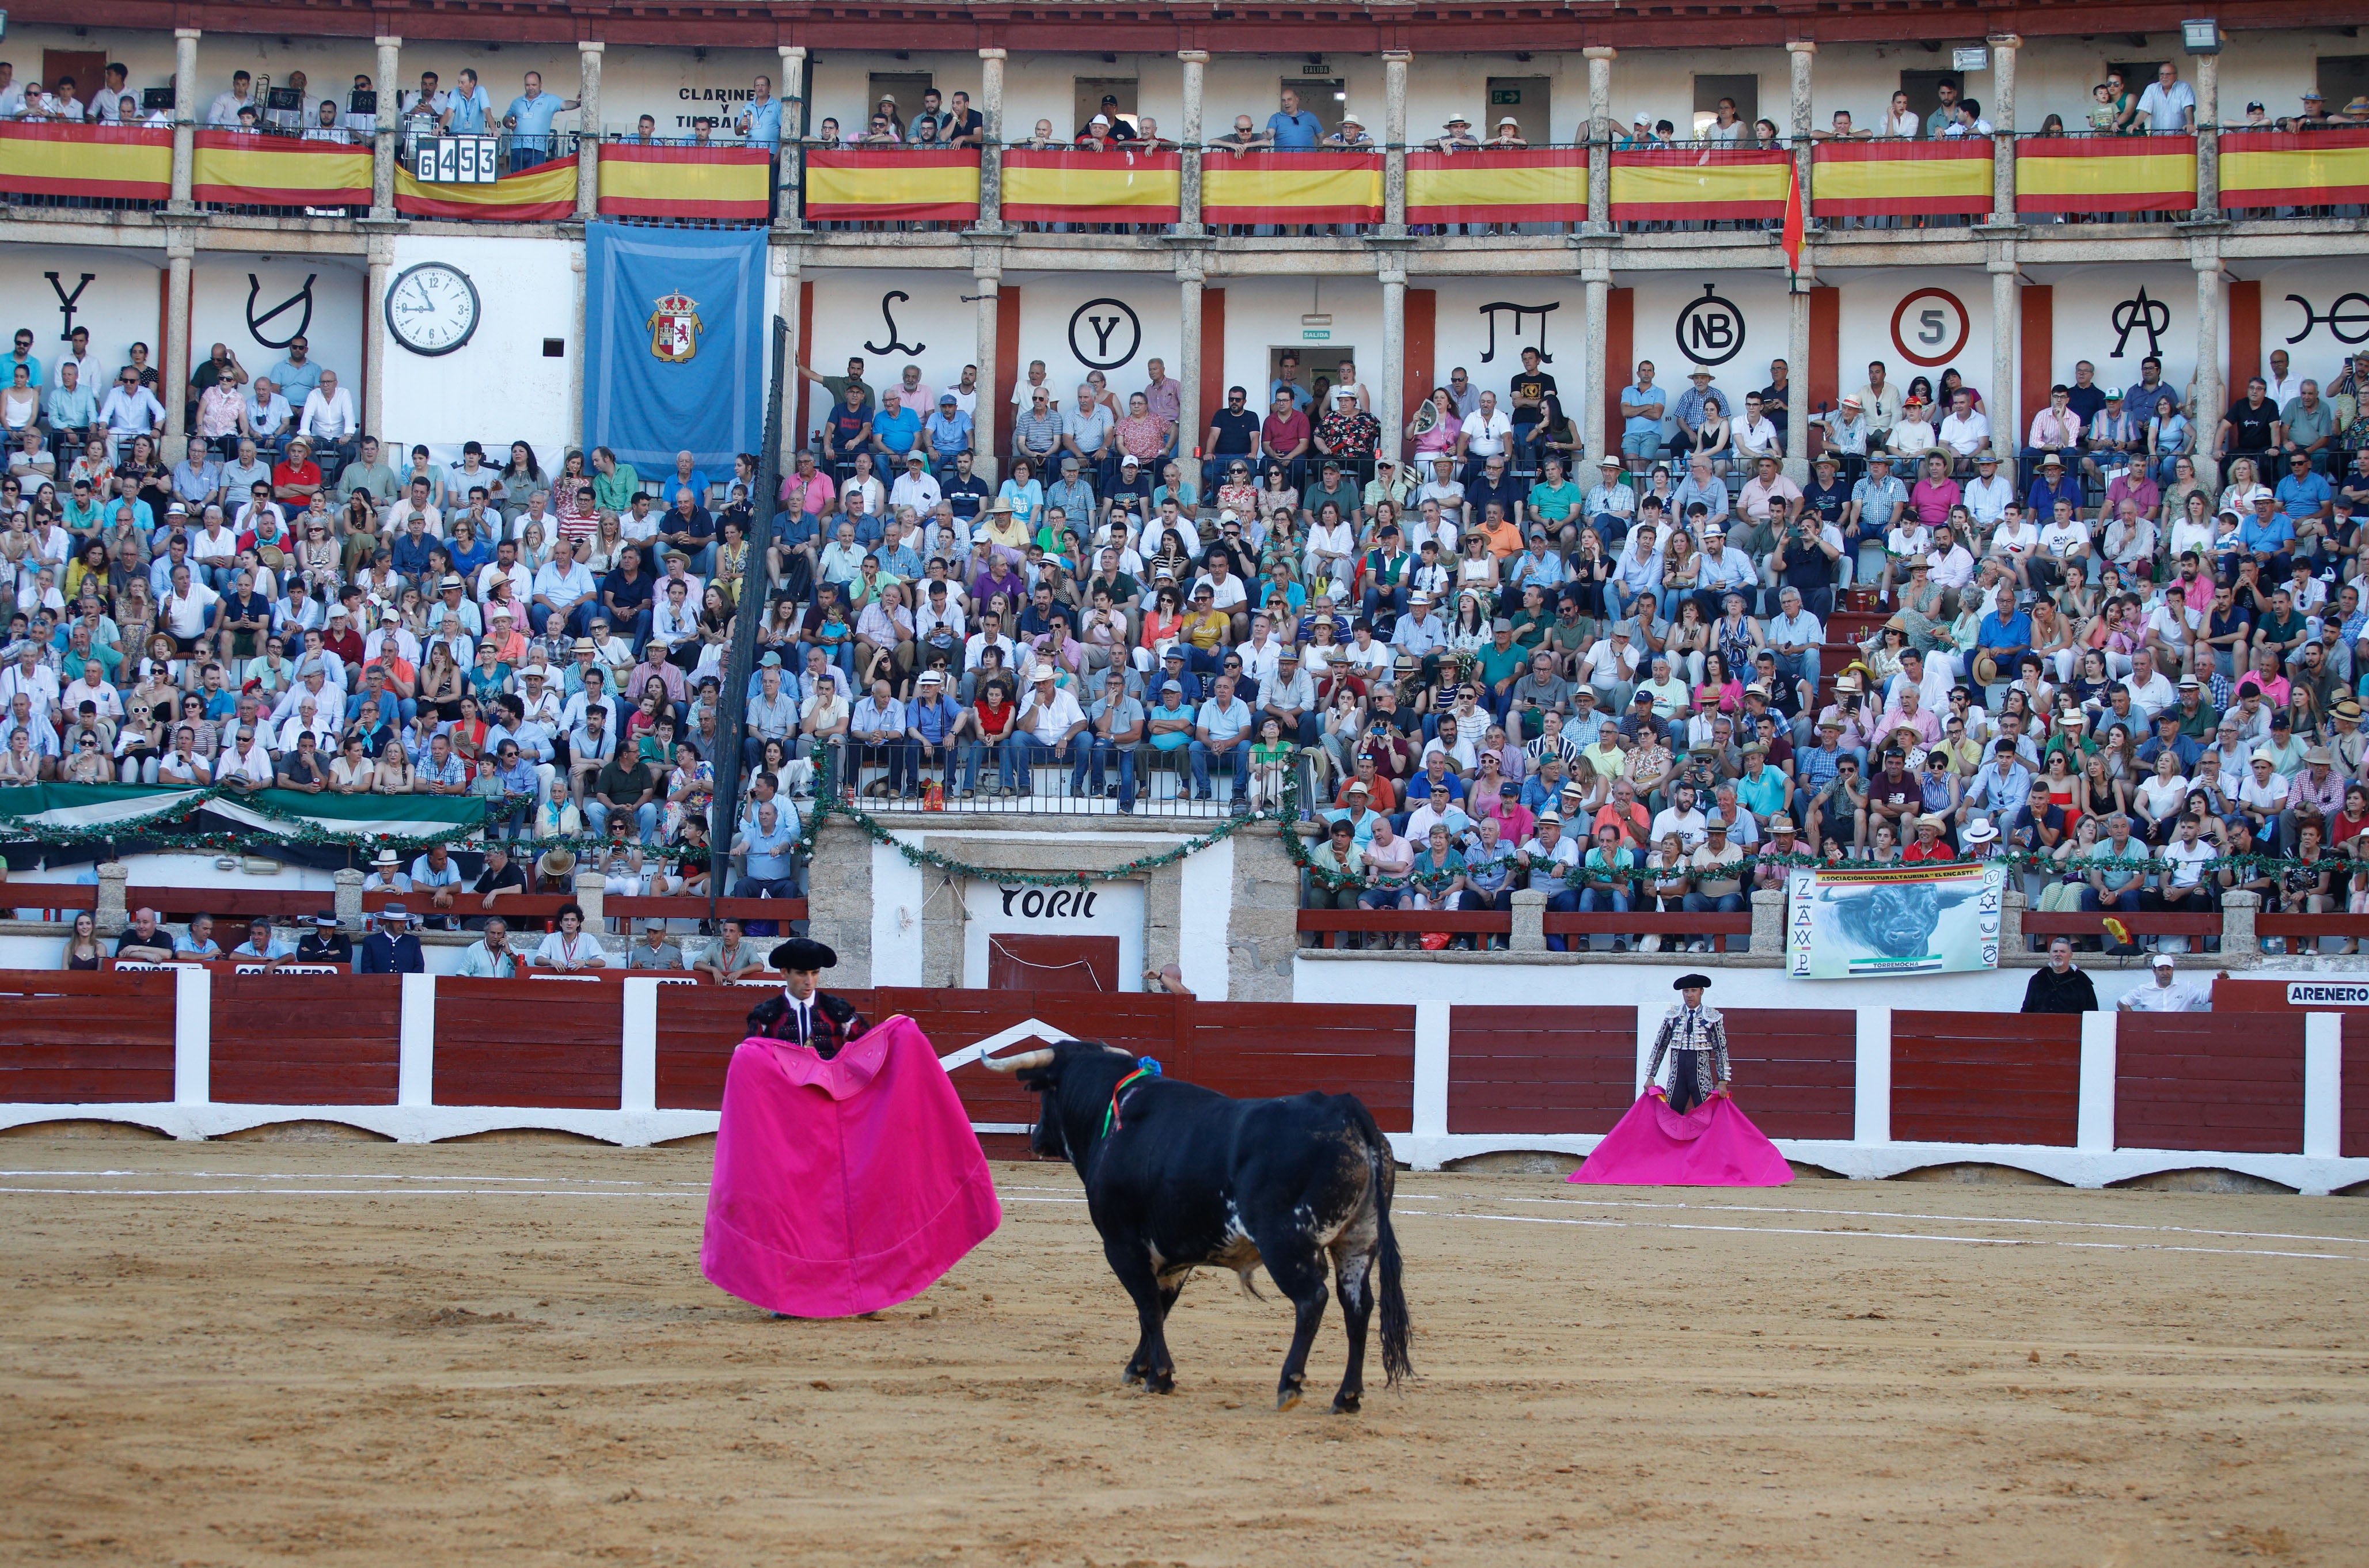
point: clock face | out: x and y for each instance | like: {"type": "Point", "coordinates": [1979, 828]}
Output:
{"type": "Point", "coordinates": [432, 308]}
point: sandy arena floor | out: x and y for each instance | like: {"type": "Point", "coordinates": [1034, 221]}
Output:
{"type": "Point", "coordinates": [219, 1353]}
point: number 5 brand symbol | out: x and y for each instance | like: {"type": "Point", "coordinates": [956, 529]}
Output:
{"type": "Point", "coordinates": [1930, 327]}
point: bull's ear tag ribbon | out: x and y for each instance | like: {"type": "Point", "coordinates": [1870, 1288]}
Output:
{"type": "Point", "coordinates": [1145, 1067]}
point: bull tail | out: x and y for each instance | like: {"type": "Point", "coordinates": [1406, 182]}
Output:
{"type": "Point", "coordinates": [1395, 1324]}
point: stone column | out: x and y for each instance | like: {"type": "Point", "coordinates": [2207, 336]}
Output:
{"type": "Point", "coordinates": [590, 888]}
{"type": "Point", "coordinates": [2006, 321]}
{"type": "Point", "coordinates": [382, 344]}
{"type": "Point", "coordinates": [789, 197]}
{"type": "Point", "coordinates": [1394, 101]}
{"type": "Point", "coordinates": [991, 156]}
{"type": "Point", "coordinates": [184, 115]}
{"type": "Point", "coordinates": [180, 252]}
{"type": "Point", "coordinates": [1390, 398]}
{"type": "Point", "coordinates": [2012, 904]}
{"type": "Point", "coordinates": [786, 261]}
{"type": "Point", "coordinates": [2205, 255]}
{"type": "Point", "coordinates": [986, 272]}
{"type": "Point", "coordinates": [390, 66]}
{"type": "Point", "coordinates": [2208, 142]}
{"type": "Point", "coordinates": [1529, 935]}
{"type": "Point", "coordinates": [1188, 141]}
{"type": "Point", "coordinates": [1600, 137]}
{"type": "Point", "coordinates": [1596, 394]}
{"type": "Point", "coordinates": [1767, 920]}
{"type": "Point", "coordinates": [2240, 947]}
{"type": "Point", "coordinates": [111, 917]}
{"type": "Point", "coordinates": [1189, 421]}
{"type": "Point", "coordinates": [1802, 54]}
{"type": "Point", "coordinates": [588, 133]}
{"type": "Point", "coordinates": [2002, 118]}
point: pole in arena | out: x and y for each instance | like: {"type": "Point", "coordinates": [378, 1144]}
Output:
{"type": "Point", "coordinates": [732, 705]}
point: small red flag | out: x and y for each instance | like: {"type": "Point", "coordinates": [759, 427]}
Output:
{"type": "Point", "coordinates": [1795, 223]}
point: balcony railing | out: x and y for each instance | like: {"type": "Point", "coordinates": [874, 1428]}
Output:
{"type": "Point", "coordinates": [1541, 189]}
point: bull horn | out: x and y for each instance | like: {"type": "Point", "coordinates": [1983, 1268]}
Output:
{"type": "Point", "coordinates": [1020, 1063]}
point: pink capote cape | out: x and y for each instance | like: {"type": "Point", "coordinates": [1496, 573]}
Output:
{"type": "Point", "coordinates": [1714, 1145]}
{"type": "Point", "coordinates": [846, 1185]}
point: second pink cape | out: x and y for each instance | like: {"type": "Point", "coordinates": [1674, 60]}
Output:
{"type": "Point", "coordinates": [846, 1185]}
{"type": "Point", "coordinates": [1714, 1145]}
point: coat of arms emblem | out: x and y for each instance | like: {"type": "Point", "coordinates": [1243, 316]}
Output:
{"type": "Point", "coordinates": [675, 327]}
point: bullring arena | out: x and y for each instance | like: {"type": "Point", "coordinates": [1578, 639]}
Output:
{"type": "Point", "coordinates": [346, 1353]}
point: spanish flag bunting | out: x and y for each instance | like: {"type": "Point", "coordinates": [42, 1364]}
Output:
{"type": "Point", "coordinates": [2303, 168]}
{"type": "Point", "coordinates": [2105, 174]}
{"type": "Point", "coordinates": [1869, 179]}
{"type": "Point", "coordinates": [543, 194]}
{"type": "Point", "coordinates": [649, 181]}
{"type": "Point", "coordinates": [1698, 184]}
{"type": "Point", "coordinates": [1117, 186]}
{"type": "Point", "coordinates": [1491, 185]}
{"type": "Point", "coordinates": [236, 168]}
{"type": "Point", "coordinates": [1291, 187]}
{"type": "Point", "coordinates": [854, 184]}
{"type": "Point", "coordinates": [127, 162]}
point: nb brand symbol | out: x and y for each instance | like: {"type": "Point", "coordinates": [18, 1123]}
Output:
{"type": "Point", "coordinates": [1103, 319]}
{"type": "Point", "coordinates": [1710, 329]}
{"type": "Point", "coordinates": [2140, 314]}
{"type": "Point", "coordinates": [2347, 319]}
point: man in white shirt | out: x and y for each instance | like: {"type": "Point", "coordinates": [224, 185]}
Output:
{"type": "Point", "coordinates": [1681, 816]}
{"type": "Point", "coordinates": [329, 422]}
{"type": "Point", "coordinates": [2150, 693]}
{"type": "Point", "coordinates": [131, 409]}
{"type": "Point", "coordinates": [1053, 717]}
{"type": "Point", "coordinates": [2170, 104]}
{"type": "Point", "coordinates": [222, 114]}
{"type": "Point", "coordinates": [185, 607]}
{"type": "Point", "coordinates": [12, 92]}
{"type": "Point", "coordinates": [1487, 430]}
{"type": "Point", "coordinates": [1964, 431]}
{"type": "Point", "coordinates": [1952, 564]}
{"type": "Point", "coordinates": [1987, 497]}
{"type": "Point", "coordinates": [2169, 993]}
{"type": "Point", "coordinates": [914, 487]}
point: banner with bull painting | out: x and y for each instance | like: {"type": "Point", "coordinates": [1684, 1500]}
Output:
{"type": "Point", "coordinates": [1883, 921]}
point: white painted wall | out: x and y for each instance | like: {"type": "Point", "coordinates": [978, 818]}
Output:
{"type": "Point", "coordinates": [1869, 302]}
{"type": "Point", "coordinates": [1660, 300]}
{"type": "Point", "coordinates": [2319, 354]}
{"type": "Point", "coordinates": [122, 303]}
{"type": "Point", "coordinates": [1002, 908]}
{"type": "Point", "coordinates": [497, 387]}
{"type": "Point", "coordinates": [1264, 312]}
{"type": "Point", "coordinates": [1462, 335]}
{"type": "Point", "coordinates": [848, 322]}
{"type": "Point", "coordinates": [220, 283]}
{"type": "Point", "coordinates": [897, 895]}
{"type": "Point", "coordinates": [2085, 304]}
{"type": "Point", "coordinates": [1054, 327]}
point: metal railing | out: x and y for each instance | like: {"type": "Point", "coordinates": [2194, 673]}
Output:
{"type": "Point", "coordinates": [1025, 778]}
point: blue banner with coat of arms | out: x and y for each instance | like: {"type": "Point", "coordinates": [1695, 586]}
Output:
{"type": "Point", "coordinates": [674, 353]}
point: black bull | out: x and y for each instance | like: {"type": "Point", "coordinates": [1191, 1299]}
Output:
{"type": "Point", "coordinates": [1187, 1177]}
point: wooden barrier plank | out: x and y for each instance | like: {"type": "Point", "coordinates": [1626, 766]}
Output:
{"type": "Point", "coordinates": [91, 1037]}
{"type": "Point", "coordinates": [1986, 1078]}
{"type": "Point", "coordinates": [306, 1039]}
{"type": "Point", "coordinates": [2192, 1081]}
{"type": "Point", "coordinates": [2352, 1112]}
{"type": "Point", "coordinates": [529, 1043]}
{"type": "Point", "coordinates": [1514, 1070]}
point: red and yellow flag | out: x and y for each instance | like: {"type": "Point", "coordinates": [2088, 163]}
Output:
{"type": "Point", "coordinates": [648, 180]}
{"type": "Point", "coordinates": [1493, 185]}
{"type": "Point", "coordinates": [1890, 180]}
{"type": "Point", "coordinates": [545, 194]}
{"type": "Point", "coordinates": [854, 184]}
{"type": "Point", "coordinates": [1291, 187]}
{"type": "Point", "coordinates": [1068, 186]}
{"type": "Point", "coordinates": [1699, 183]}
{"type": "Point", "coordinates": [126, 163]}
{"type": "Point", "coordinates": [2300, 168]}
{"type": "Point", "coordinates": [2105, 174]}
{"type": "Point", "coordinates": [234, 169]}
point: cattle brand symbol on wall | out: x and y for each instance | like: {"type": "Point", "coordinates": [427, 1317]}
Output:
{"type": "Point", "coordinates": [675, 327]}
{"type": "Point", "coordinates": [2347, 319]}
{"type": "Point", "coordinates": [67, 301]}
{"type": "Point", "coordinates": [1103, 319]}
{"type": "Point", "coordinates": [1489, 314]}
{"type": "Point", "coordinates": [1710, 329]}
{"type": "Point", "coordinates": [895, 344]}
{"type": "Point", "coordinates": [1931, 326]}
{"type": "Point", "coordinates": [2140, 314]}
{"type": "Point", "coordinates": [256, 323]}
